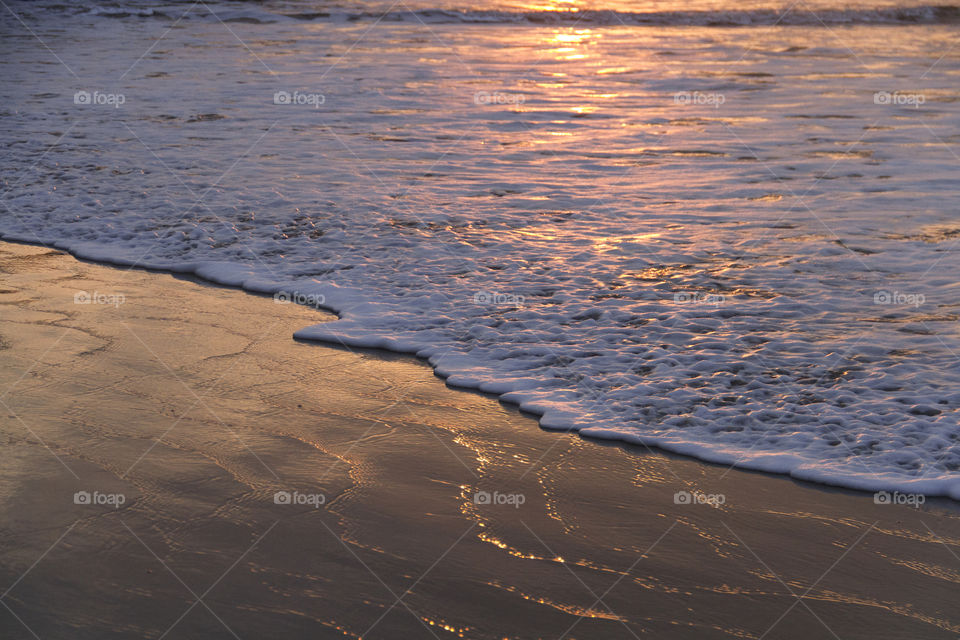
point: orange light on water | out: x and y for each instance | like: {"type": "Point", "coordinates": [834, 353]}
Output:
{"type": "Point", "coordinates": [554, 5]}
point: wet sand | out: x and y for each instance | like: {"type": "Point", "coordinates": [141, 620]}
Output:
{"type": "Point", "coordinates": [186, 411]}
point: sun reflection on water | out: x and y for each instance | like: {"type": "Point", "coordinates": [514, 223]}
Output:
{"type": "Point", "coordinates": [554, 5]}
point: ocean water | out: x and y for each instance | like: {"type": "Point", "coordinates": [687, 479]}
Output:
{"type": "Point", "coordinates": [727, 229]}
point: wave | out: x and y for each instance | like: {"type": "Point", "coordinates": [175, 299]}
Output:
{"type": "Point", "coordinates": [755, 17]}
{"type": "Point", "coordinates": [681, 310]}
{"type": "Point", "coordinates": [922, 15]}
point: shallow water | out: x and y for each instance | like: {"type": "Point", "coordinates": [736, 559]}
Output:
{"type": "Point", "coordinates": [732, 242]}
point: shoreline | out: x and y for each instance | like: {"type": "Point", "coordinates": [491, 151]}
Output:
{"type": "Point", "coordinates": [784, 464]}
{"type": "Point", "coordinates": [407, 509]}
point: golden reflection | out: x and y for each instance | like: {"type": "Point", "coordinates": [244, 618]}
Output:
{"type": "Point", "coordinates": [539, 235]}
{"type": "Point", "coordinates": [552, 133]}
{"type": "Point", "coordinates": [576, 37]}
{"type": "Point", "coordinates": [459, 631]}
{"type": "Point", "coordinates": [570, 44]}
{"type": "Point", "coordinates": [571, 39]}
{"type": "Point", "coordinates": [571, 609]}
{"type": "Point", "coordinates": [612, 243]}
{"type": "Point", "coordinates": [554, 5]}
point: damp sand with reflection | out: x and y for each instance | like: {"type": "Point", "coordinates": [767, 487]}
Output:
{"type": "Point", "coordinates": [199, 418]}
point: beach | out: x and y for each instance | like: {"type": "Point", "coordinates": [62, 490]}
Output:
{"type": "Point", "coordinates": [724, 231]}
{"type": "Point", "coordinates": [176, 465]}
{"type": "Point", "coordinates": [493, 319]}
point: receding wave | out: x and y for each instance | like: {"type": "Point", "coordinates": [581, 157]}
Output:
{"type": "Point", "coordinates": [608, 238]}
{"type": "Point", "coordinates": [946, 14]}
{"type": "Point", "coordinates": [755, 17]}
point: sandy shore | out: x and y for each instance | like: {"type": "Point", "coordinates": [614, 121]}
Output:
{"type": "Point", "coordinates": [150, 433]}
